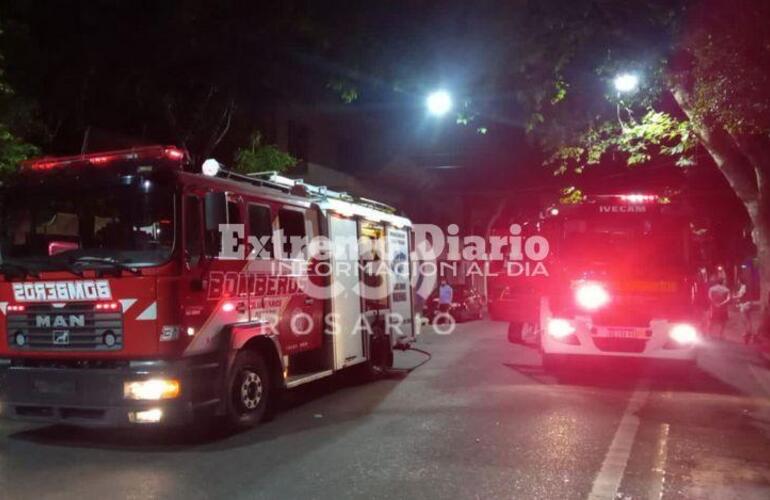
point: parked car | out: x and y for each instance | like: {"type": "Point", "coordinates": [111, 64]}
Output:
{"type": "Point", "coordinates": [467, 304]}
{"type": "Point", "coordinates": [519, 307]}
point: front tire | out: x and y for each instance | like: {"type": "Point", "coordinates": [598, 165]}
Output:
{"type": "Point", "coordinates": [249, 391]}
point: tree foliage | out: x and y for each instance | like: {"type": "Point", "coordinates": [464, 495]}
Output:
{"type": "Point", "coordinates": [13, 149]}
{"type": "Point", "coordinates": [655, 134]}
{"type": "Point", "coordinates": [712, 73]}
{"type": "Point", "coordinates": [259, 157]}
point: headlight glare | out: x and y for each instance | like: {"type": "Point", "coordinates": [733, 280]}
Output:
{"type": "Point", "coordinates": [683, 333]}
{"type": "Point", "coordinates": [591, 296]}
{"type": "Point", "coordinates": [151, 389]}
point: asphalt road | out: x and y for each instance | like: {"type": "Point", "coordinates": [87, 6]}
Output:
{"type": "Point", "coordinates": [480, 419]}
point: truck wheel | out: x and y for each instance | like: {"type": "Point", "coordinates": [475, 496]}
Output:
{"type": "Point", "coordinates": [249, 391]}
{"type": "Point", "coordinates": [514, 332]}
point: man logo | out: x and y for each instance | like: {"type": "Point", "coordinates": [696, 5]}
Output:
{"type": "Point", "coordinates": [60, 320]}
{"type": "Point", "coordinates": [61, 337]}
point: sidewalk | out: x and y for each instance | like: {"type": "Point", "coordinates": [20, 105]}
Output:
{"type": "Point", "coordinates": [738, 365]}
{"type": "Point", "coordinates": [736, 327]}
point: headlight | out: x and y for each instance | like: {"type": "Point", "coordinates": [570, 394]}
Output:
{"type": "Point", "coordinates": [152, 389]}
{"type": "Point", "coordinates": [683, 333]}
{"type": "Point", "coordinates": [151, 416]}
{"type": "Point", "coordinates": [560, 328]}
{"type": "Point", "coordinates": [591, 296]}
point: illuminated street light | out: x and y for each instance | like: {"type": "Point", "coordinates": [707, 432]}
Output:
{"type": "Point", "coordinates": [626, 82]}
{"type": "Point", "coordinates": [439, 102]}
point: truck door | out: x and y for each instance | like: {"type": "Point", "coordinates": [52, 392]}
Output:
{"type": "Point", "coordinates": [345, 301]}
{"type": "Point", "coordinates": [300, 315]}
{"type": "Point", "coordinates": [402, 319]}
{"type": "Point", "coordinates": [195, 307]}
{"type": "Point", "coordinates": [218, 293]}
{"type": "Point", "coordinates": [261, 258]}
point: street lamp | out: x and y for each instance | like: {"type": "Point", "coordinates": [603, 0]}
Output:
{"type": "Point", "coordinates": [439, 102]}
{"type": "Point", "coordinates": [626, 82]}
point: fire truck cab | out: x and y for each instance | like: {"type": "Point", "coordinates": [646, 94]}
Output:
{"type": "Point", "coordinates": [136, 288]}
{"type": "Point", "coordinates": [619, 283]}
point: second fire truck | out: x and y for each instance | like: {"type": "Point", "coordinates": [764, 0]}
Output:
{"type": "Point", "coordinates": [619, 283]}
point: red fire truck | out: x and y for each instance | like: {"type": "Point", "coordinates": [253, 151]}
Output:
{"type": "Point", "coordinates": [619, 283]}
{"type": "Point", "coordinates": [122, 304]}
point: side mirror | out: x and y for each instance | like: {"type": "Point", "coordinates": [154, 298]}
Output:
{"type": "Point", "coordinates": [215, 206]}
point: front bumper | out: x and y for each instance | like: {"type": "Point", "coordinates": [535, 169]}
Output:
{"type": "Point", "coordinates": [596, 340]}
{"type": "Point", "coordinates": [90, 396]}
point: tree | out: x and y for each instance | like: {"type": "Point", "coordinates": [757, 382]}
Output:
{"type": "Point", "coordinates": [259, 157]}
{"type": "Point", "coordinates": [710, 88]}
{"type": "Point", "coordinates": [13, 149]}
{"type": "Point", "coordinates": [721, 81]}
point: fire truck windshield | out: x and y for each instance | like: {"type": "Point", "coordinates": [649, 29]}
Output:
{"type": "Point", "coordinates": [633, 244]}
{"type": "Point", "coordinates": [68, 224]}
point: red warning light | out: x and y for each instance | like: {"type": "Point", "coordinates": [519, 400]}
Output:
{"type": "Point", "coordinates": [99, 160]}
{"type": "Point", "coordinates": [107, 306]}
{"type": "Point", "coordinates": [103, 159]}
{"type": "Point", "coordinates": [174, 153]}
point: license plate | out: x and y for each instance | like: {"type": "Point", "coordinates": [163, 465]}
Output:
{"type": "Point", "coordinates": [54, 388]}
{"type": "Point", "coordinates": [625, 333]}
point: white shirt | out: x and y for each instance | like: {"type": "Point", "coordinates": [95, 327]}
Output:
{"type": "Point", "coordinates": [719, 294]}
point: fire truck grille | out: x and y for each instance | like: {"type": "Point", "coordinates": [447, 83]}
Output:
{"type": "Point", "coordinates": [74, 327]}
{"type": "Point", "coordinates": [606, 344]}
{"type": "Point", "coordinates": [623, 316]}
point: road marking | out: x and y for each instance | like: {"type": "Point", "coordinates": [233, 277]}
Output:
{"type": "Point", "coordinates": [607, 482]}
{"type": "Point", "coordinates": [659, 470]}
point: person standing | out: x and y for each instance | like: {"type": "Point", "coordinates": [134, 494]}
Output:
{"type": "Point", "coordinates": [702, 298]}
{"type": "Point", "coordinates": [445, 294]}
{"type": "Point", "coordinates": [744, 308]}
{"type": "Point", "coordinates": [719, 297]}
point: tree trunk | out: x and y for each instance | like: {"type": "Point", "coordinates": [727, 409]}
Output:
{"type": "Point", "coordinates": [501, 204]}
{"type": "Point", "coordinates": [748, 172]}
{"type": "Point", "coordinates": [762, 241]}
